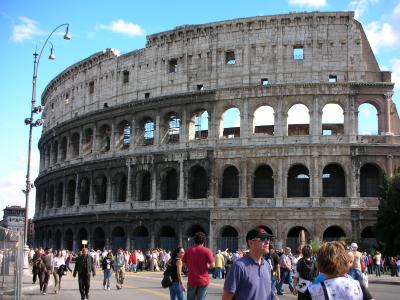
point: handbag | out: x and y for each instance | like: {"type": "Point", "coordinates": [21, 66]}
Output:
{"type": "Point", "coordinates": [167, 278]}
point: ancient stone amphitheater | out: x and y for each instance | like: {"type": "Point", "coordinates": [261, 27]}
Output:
{"type": "Point", "coordinates": [200, 131]}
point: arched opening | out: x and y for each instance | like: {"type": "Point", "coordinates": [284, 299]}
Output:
{"type": "Point", "coordinates": [333, 181]}
{"type": "Point", "coordinates": [298, 182]}
{"type": "Point", "coordinates": [228, 239]}
{"type": "Point", "coordinates": [82, 236]}
{"type": "Point", "coordinates": [100, 189]}
{"type": "Point", "coordinates": [123, 139]}
{"type": "Point", "coordinates": [104, 138]}
{"type": "Point", "coordinates": [298, 120]}
{"type": "Point", "coordinates": [198, 127]}
{"type": "Point", "coordinates": [49, 242]}
{"type": "Point", "coordinates": [51, 196]}
{"type": "Point", "coordinates": [368, 238]}
{"type": "Point", "coordinates": [60, 193]}
{"type": "Point", "coordinates": [118, 239]}
{"type": "Point", "coordinates": [69, 240]}
{"type": "Point", "coordinates": [64, 145]}
{"type": "Point", "coordinates": [167, 238]}
{"type": "Point", "coordinates": [48, 156]}
{"type": "Point", "coordinates": [174, 124]}
{"type": "Point", "coordinates": [264, 120]}
{"type": "Point", "coordinates": [45, 197]}
{"type": "Point", "coordinates": [332, 119]}
{"type": "Point", "coordinates": [198, 183]}
{"type": "Point", "coordinates": [57, 240]}
{"type": "Point", "coordinates": [370, 180]}
{"type": "Point", "coordinates": [55, 152]}
{"type": "Point", "coordinates": [75, 145]}
{"type": "Point", "coordinates": [189, 241]}
{"type": "Point", "coordinates": [230, 183]}
{"type": "Point", "coordinates": [71, 192]}
{"type": "Point", "coordinates": [263, 186]}
{"type": "Point", "coordinates": [231, 123]}
{"type": "Point", "coordinates": [99, 239]}
{"type": "Point", "coordinates": [297, 236]}
{"type": "Point", "coordinates": [140, 238]}
{"type": "Point", "coordinates": [333, 233]}
{"type": "Point", "coordinates": [148, 133]}
{"type": "Point", "coordinates": [144, 184]}
{"type": "Point", "coordinates": [119, 188]}
{"type": "Point", "coordinates": [87, 141]}
{"type": "Point", "coordinates": [367, 119]}
{"type": "Point", "coordinates": [84, 191]}
{"type": "Point", "coordinates": [169, 185]}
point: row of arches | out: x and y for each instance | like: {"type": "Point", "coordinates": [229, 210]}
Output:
{"type": "Point", "coordinates": [167, 238]}
{"type": "Point", "coordinates": [298, 185]}
{"type": "Point", "coordinates": [106, 136]}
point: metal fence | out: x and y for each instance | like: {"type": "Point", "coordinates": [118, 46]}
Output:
{"type": "Point", "coordinates": [11, 260]}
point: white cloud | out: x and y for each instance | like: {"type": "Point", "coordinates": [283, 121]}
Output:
{"type": "Point", "coordinates": [396, 10]}
{"type": "Point", "coordinates": [123, 27]}
{"type": "Point", "coordinates": [313, 3]}
{"type": "Point", "coordinates": [26, 30]}
{"type": "Point", "coordinates": [381, 35]}
{"type": "Point", "coordinates": [360, 7]}
{"type": "Point", "coordinates": [396, 72]}
{"type": "Point", "coordinates": [298, 114]}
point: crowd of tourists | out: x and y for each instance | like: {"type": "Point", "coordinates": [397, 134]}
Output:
{"type": "Point", "coordinates": [336, 271]}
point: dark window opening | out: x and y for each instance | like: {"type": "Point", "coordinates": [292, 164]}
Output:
{"type": "Point", "coordinates": [230, 58]}
{"type": "Point", "coordinates": [84, 191]}
{"type": "Point", "coordinates": [333, 181]}
{"type": "Point", "coordinates": [60, 193]}
{"type": "Point", "coordinates": [198, 183]}
{"type": "Point", "coordinates": [333, 233]}
{"type": "Point", "coordinates": [263, 182]}
{"type": "Point", "coordinates": [298, 53]}
{"type": "Point", "coordinates": [125, 76]}
{"type": "Point", "coordinates": [200, 87]}
{"type": "Point", "coordinates": [146, 95]}
{"type": "Point", "coordinates": [91, 87]}
{"type": "Point", "coordinates": [101, 190]}
{"type": "Point", "coordinates": [173, 65]}
{"type": "Point", "coordinates": [169, 189]}
{"type": "Point", "coordinates": [230, 183]}
{"type": "Point", "coordinates": [370, 180]}
{"type": "Point", "coordinates": [71, 192]}
{"type": "Point", "coordinates": [75, 145]}
{"type": "Point", "coordinates": [145, 191]}
{"type": "Point", "coordinates": [120, 189]}
{"type": "Point", "coordinates": [264, 81]}
{"type": "Point", "coordinates": [332, 78]}
{"type": "Point", "coordinates": [298, 182]}
{"type": "Point", "coordinates": [105, 105]}
{"type": "Point", "coordinates": [64, 144]}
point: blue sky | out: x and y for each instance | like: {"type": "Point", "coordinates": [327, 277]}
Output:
{"type": "Point", "coordinates": [96, 25]}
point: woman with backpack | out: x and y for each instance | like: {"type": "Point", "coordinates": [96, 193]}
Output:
{"type": "Point", "coordinates": [305, 272]}
{"type": "Point", "coordinates": [174, 266]}
{"type": "Point", "coordinates": [108, 266]}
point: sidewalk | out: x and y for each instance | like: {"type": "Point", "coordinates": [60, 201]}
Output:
{"type": "Point", "coordinates": [384, 279]}
{"type": "Point", "coordinates": [28, 287]}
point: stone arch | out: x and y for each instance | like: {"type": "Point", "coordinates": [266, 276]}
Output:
{"type": "Point", "coordinates": [332, 119]}
{"type": "Point", "coordinates": [191, 231]}
{"type": "Point", "coordinates": [199, 126]}
{"type": "Point", "coordinates": [48, 156]}
{"type": "Point", "coordinates": [140, 238]}
{"type": "Point", "coordinates": [123, 135]}
{"type": "Point", "coordinates": [87, 141]}
{"type": "Point", "coordinates": [64, 147]}
{"type": "Point", "coordinates": [51, 196]}
{"type": "Point", "coordinates": [230, 183]}
{"type": "Point", "coordinates": [104, 138]}
{"type": "Point", "coordinates": [298, 181]}
{"type": "Point", "coordinates": [69, 239]}
{"type": "Point", "coordinates": [169, 185]}
{"type": "Point", "coordinates": [119, 187]}
{"type": "Point", "coordinates": [167, 238]}
{"type": "Point", "coordinates": [58, 239]}
{"type": "Point", "coordinates": [143, 181]}
{"type": "Point", "coordinates": [99, 239]}
{"type": "Point", "coordinates": [263, 120]}
{"type": "Point", "coordinates": [148, 131]}
{"type": "Point", "coordinates": [368, 120]}
{"type": "Point", "coordinates": [59, 195]}
{"type": "Point", "coordinates": [198, 183]}
{"type": "Point", "coordinates": [84, 191]}
{"type": "Point", "coordinates": [228, 238]}
{"type": "Point", "coordinates": [263, 183]}
{"type": "Point", "coordinates": [82, 235]}
{"type": "Point", "coordinates": [297, 236]}
{"type": "Point", "coordinates": [71, 187]}
{"type": "Point", "coordinates": [55, 152]}
{"type": "Point", "coordinates": [298, 120]}
{"type": "Point", "coordinates": [230, 123]}
{"type": "Point", "coordinates": [118, 239]}
{"type": "Point", "coordinates": [333, 181]}
{"type": "Point", "coordinates": [333, 233]}
{"type": "Point", "coordinates": [100, 189]}
{"type": "Point", "coordinates": [49, 238]}
{"type": "Point", "coordinates": [370, 180]}
{"type": "Point", "coordinates": [75, 140]}
{"type": "Point", "coordinates": [368, 238]}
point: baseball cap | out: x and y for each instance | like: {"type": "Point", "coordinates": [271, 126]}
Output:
{"type": "Point", "coordinates": [259, 233]}
{"type": "Point", "coordinates": [354, 246]}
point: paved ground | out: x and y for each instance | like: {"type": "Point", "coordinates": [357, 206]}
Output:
{"type": "Point", "coordinates": [147, 286]}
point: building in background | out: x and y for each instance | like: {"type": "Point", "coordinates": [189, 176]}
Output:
{"type": "Point", "coordinates": [14, 218]}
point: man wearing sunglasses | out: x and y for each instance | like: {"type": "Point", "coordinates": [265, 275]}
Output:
{"type": "Point", "coordinates": [250, 276]}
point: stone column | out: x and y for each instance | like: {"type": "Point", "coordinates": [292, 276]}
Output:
{"type": "Point", "coordinates": [211, 240]}
{"type": "Point", "coordinates": [94, 138]}
{"type": "Point", "coordinates": [282, 191]}
{"type": "Point", "coordinates": [243, 183]}
{"type": "Point", "coordinates": [91, 192]}
{"type": "Point", "coordinates": [77, 196]}
{"type": "Point", "coordinates": [154, 193]}
{"type": "Point", "coordinates": [110, 186]}
{"type": "Point", "coordinates": [157, 133]}
{"type": "Point", "coordinates": [180, 233]}
{"type": "Point", "coordinates": [389, 165]}
{"type": "Point", "coordinates": [80, 142]}
{"type": "Point", "coordinates": [316, 188]}
{"type": "Point", "coordinates": [112, 136]}
{"type": "Point", "coordinates": [315, 121]}
{"type": "Point", "coordinates": [181, 195]}
{"type": "Point", "coordinates": [351, 119]}
{"type": "Point", "coordinates": [388, 107]}
{"type": "Point", "coordinates": [244, 120]}
{"type": "Point", "coordinates": [280, 127]}
{"type": "Point", "coordinates": [129, 181]}
{"type": "Point", "coordinates": [183, 130]}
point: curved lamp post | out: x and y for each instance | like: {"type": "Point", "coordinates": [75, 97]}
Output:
{"type": "Point", "coordinates": [34, 110]}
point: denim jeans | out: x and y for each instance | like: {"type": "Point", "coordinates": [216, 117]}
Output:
{"type": "Point", "coordinates": [285, 276]}
{"type": "Point", "coordinates": [197, 292]}
{"type": "Point", "coordinates": [175, 291]}
{"type": "Point", "coordinates": [377, 270]}
{"type": "Point", "coordinates": [217, 273]}
{"type": "Point", "coordinates": [273, 287]}
{"type": "Point", "coordinates": [107, 277]}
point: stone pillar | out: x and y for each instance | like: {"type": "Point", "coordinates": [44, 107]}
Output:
{"type": "Point", "coordinates": [243, 183]}
{"type": "Point", "coordinates": [244, 120]}
{"type": "Point", "coordinates": [181, 194]}
{"type": "Point", "coordinates": [180, 233]}
{"type": "Point", "coordinates": [77, 196]}
{"type": "Point", "coordinates": [94, 138]}
{"type": "Point", "coordinates": [80, 142]}
{"type": "Point", "coordinates": [183, 130]}
{"type": "Point", "coordinates": [280, 128]}
{"type": "Point", "coordinates": [282, 182]}
{"type": "Point", "coordinates": [211, 239]}
{"type": "Point", "coordinates": [129, 181]}
{"type": "Point", "coordinates": [64, 196]}
{"type": "Point", "coordinates": [152, 240]}
{"type": "Point", "coordinates": [113, 136]}
{"type": "Point", "coordinates": [91, 192]}
{"type": "Point", "coordinates": [389, 165]}
{"type": "Point", "coordinates": [388, 108]}
{"type": "Point", "coordinates": [157, 133]}
{"type": "Point", "coordinates": [315, 121]}
{"type": "Point", "coordinates": [316, 184]}
{"type": "Point", "coordinates": [351, 120]}
{"type": "Point", "coordinates": [110, 186]}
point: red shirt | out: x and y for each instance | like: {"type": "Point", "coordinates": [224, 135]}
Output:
{"type": "Point", "coordinates": [196, 259]}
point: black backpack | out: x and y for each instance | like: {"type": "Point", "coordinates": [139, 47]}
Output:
{"type": "Point", "coordinates": [167, 278]}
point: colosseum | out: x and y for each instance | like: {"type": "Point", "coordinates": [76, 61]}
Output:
{"type": "Point", "coordinates": [219, 127]}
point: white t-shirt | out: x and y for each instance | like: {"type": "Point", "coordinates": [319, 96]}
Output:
{"type": "Point", "coordinates": [338, 288]}
{"type": "Point", "coordinates": [58, 261]}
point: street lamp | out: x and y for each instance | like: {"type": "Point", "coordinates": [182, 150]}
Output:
{"type": "Point", "coordinates": [31, 122]}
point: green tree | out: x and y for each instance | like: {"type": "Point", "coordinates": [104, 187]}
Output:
{"type": "Point", "coordinates": [388, 223]}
